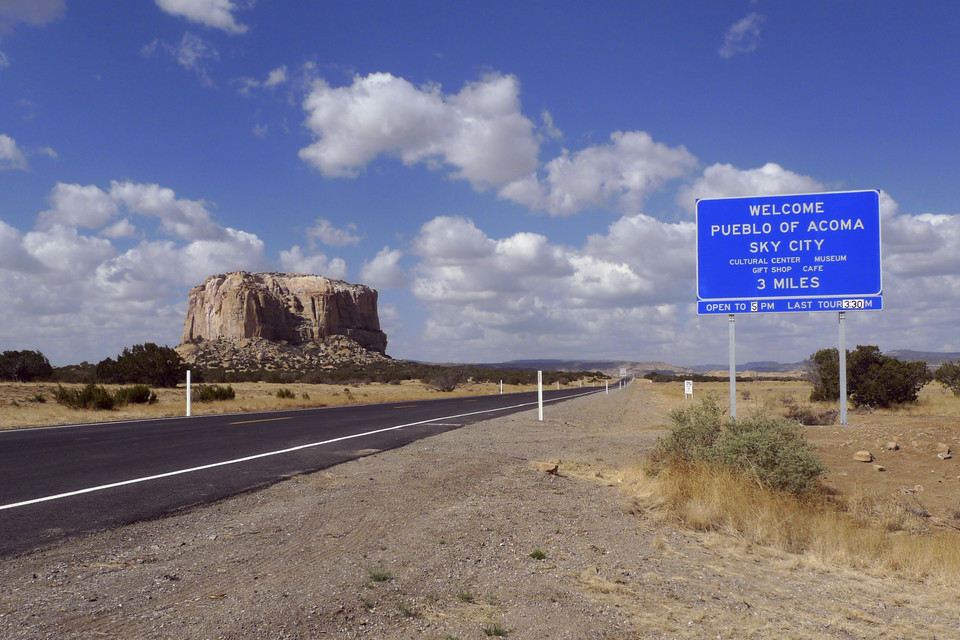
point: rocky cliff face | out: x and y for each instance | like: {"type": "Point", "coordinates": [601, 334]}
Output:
{"type": "Point", "coordinates": [294, 308]}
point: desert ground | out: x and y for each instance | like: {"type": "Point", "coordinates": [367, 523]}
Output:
{"type": "Point", "coordinates": [468, 535]}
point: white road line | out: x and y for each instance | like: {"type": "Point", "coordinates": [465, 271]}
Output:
{"type": "Point", "coordinates": [169, 474]}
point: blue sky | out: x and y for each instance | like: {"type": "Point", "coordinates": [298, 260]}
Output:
{"type": "Point", "coordinates": [516, 179]}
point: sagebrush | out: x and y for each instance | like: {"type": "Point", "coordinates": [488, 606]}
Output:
{"type": "Point", "coordinates": [772, 450]}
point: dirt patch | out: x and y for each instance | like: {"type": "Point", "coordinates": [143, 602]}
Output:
{"type": "Point", "coordinates": [457, 536]}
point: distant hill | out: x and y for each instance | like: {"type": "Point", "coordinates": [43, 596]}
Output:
{"type": "Point", "coordinates": [612, 367]}
{"type": "Point", "coordinates": [639, 369]}
{"type": "Point", "coordinates": [933, 358]}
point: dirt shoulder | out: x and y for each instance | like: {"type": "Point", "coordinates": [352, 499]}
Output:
{"type": "Point", "coordinates": [434, 540]}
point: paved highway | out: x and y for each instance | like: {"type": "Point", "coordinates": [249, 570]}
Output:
{"type": "Point", "coordinates": [57, 482]}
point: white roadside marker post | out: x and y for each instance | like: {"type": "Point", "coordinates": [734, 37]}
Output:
{"type": "Point", "coordinates": [540, 394]}
{"type": "Point", "coordinates": [188, 393]}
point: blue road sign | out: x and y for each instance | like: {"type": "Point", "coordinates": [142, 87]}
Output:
{"type": "Point", "coordinates": [806, 252]}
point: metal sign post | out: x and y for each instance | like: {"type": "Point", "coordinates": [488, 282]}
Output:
{"type": "Point", "coordinates": [843, 367]}
{"type": "Point", "coordinates": [733, 370]}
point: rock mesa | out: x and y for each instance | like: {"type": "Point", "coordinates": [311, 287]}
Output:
{"type": "Point", "coordinates": [282, 307]}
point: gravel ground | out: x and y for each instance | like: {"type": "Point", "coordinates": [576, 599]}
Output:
{"type": "Point", "coordinates": [456, 536]}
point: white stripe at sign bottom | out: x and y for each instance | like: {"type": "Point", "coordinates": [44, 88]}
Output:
{"type": "Point", "coordinates": [267, 454]}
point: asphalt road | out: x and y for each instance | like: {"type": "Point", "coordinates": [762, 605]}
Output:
{"type": "Point", "coordinates": [57, 482]}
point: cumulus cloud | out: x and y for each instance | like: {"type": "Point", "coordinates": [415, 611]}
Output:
{"type": "Point", "coordinates": [623, 172]}
{"type": "Point", "coordinates": [74, 294]}
{"type": "Point", "coordinates": [31, 12]}
{"type": "Point", "coordinates": [79, 206]}
{"type": "Point", "coordinates": [727, 181]}
{"type": "Point", "coordinates": [11, 157]}
{"type": "Point", "coordinates": [383, 271]}
{"type": "Point", "coordinates": [217, 14]}
{"type": "Point", "coordinates": [743, 36]}
{"type": "Point", "coordinates": [331, 236]}
{"type": "Point", "coordinates": [295, 260]}
{"type": "Point", "coordinates": [509, 295]}
{"type": "Point", "coordinates": [479, 133]}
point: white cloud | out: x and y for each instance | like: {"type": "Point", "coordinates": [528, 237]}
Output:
{"type": "Point", "coordinates": [329, 235]}
{"type": "Point", "coordinates": [384, 270]}
{"type": "Point", "coordinates": [217, 14]}
{"type": "Point", "coordinates": [296, 261]}
{"type": "Point", "coordinates": [120, 229]}
{"type": "Point", "coordinates": [10, 155]}
{"type": "Point", "coordinates": [80, 206]}
{"type": "Point", "coordinates": [480, 132]}
{"type": "Point", "coordinates": [75, 295]}
{"type": "Point", "coordinates": [482, 135]}
{"type": "Point", "coordinates": [276, 77]}
{"type": "Point", "coordinates": [4, 60]}
{"type": "Point", "coordinates": [623, 172]}
{"type": "Point", "coordinates": [32, 12]}
{"type": "Point", "coordinates": [192, 53]}
{"type": "Point", "coordinates": [522, 293]}
{"type": "Point", "coordinates": [727, 181]}
{"type": "Point", "coordinates": [187, 219]}
{"type": "Point", "coordinates": [743, 36]}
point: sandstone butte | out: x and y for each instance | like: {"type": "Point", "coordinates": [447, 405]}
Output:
{"type": "Point", "coordinates": [282, 307]}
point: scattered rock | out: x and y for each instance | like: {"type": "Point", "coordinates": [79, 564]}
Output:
{"type": "Point", "coordinates": [254, 354]}
{"type": "Point", "coordinates": [944, 455]}
{"type": "Point", "coordinates": [944, 448]}
{"type": "Point", "coordinates": [891, 446]}
{"type": "Point", "coordinates": [863, 456]}
{"type": "Point", "coordinates": [879, 467]}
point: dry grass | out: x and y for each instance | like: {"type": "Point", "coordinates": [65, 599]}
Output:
{"type": "Point", "coordinates": [18, 410]}
{"type": "Point", "coordinates": [775, 397]}
{"type": "Point", "coordinates": [863, 532]}
{"type": "Point", "coordinates": [879, 534]}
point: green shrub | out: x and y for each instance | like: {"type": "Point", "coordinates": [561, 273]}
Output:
{"type": "Point", "coordinates": [772, 450]}
{"type": "Point", "coordinates": [695, 429]}
{"type": "Point", "coordinates": [285, 393]}
{"type": "Point", "coordinates": [144, 364]}
{"type": "Point", "coordinates": [91, 396]}
{"type": "Point", "coordinates": [213, 392]}
{"type": "Point", "coordinates": [873, 379]}
{"type": "Point", "coordinates": [137, 394]}
{"type": "Point", "coordinates": [24, 366]}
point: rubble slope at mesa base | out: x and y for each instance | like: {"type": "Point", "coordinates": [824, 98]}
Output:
{"type": "Point", "coordinates": [259, 354]}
